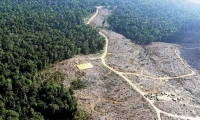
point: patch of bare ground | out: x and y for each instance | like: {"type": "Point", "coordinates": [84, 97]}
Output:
{"type": "Point", "coordinates": [114, 92]}
{"type": "Point", "coordinates": [177, 96]}
{"type": "Point", "coordinates": [147, 85]}
{"type": "Point", "coordinates": [164, 58]}
{"type": "Point", "coordinates": [69, 67]}
{"type": "Point", "coordinates": [164, 117]}
{"type": "Point", "coordinates": [106, 95]}
{"type": "Point", "coordinates": [111, 98]}
{"type": "Point", "coordinates": [139, 111]}
{"type": "Point", "coordinates": [102, 15]}
{"type": "Point", "coordinates": [122, 53]}
{"type": "Point", "coordinates": [191, 87]}
{"type": "Point", "coordinates": [157, 59]}
{"type": "Point", "coordinates": [178, 109]}
{"type": "Point", "coordinates": [162, 90]}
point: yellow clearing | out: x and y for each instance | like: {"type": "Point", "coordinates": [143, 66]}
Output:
{"type": "Point", "coordinates": [85, 66]}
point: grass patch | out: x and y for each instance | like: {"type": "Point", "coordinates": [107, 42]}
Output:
{"type": "Point", "coordinates": [78, 84]}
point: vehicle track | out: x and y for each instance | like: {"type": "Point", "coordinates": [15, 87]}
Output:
{"type": "Point", "coordinates": [121, 74]}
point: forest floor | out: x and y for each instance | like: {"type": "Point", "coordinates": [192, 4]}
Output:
{"type": "Point", "coordinates": [136, 82]}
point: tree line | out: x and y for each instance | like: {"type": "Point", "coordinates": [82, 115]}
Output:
{"type": "Point", "coordinates": [149, 21]}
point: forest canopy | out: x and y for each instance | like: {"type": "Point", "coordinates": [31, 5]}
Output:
{"type": "Point", "coordinates": [33, 35]}
{"type": "Point", "coordinates": [148, 21]}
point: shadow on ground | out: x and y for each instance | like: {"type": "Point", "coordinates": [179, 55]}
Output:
{"type": "Point", "coordinates": [190, 49]}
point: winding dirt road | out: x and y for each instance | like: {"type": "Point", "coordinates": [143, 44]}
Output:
{"type": "Point", "coordinates": [121, 74]}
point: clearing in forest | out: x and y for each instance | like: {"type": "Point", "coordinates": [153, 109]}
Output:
{"type": "Point", "coordinates": [85, 66]}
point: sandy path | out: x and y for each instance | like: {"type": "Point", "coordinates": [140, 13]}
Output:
{"type": "Point", "coordinates": [93, 16]}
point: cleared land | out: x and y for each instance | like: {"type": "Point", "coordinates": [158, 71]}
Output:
{"type": "Point", "coordinates": [134, 82]}
{"type": "Point", "coordinates": [157, 59]}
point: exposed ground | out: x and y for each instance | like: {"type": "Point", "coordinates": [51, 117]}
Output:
{"type": "Point", "coordinates": [102, 15]}
{"type": "Point", "coordinates": [133, 82]}
{"type": "Point", "coordinates": [157, 59]}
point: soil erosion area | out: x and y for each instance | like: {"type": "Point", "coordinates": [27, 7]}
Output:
{"type": "Point", "coordinates": [133, 82]}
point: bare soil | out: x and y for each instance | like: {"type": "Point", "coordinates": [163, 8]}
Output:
{"type": "Point", "coordinates": [178, 109]}
{"type": "Point", "coordinates": [182, 95]}
{"type": "Point", "coordinates": [106, 95]}
{"type": "Point", "coordinates": [157, 59]}
{"type": "Point", "coordinates": [103, 15]}
{"type": "Point", "coordinates": [164, 117]}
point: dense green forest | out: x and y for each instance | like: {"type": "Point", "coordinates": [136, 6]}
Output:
{"type": "Point", "coordinates": [33, 35]}
{"type": "Point", "coordinates": [146, 21]}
